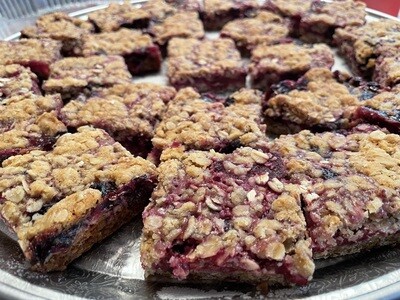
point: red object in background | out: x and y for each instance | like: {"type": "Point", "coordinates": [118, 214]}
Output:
{"type": "Point", "coordinates": [391, 7]}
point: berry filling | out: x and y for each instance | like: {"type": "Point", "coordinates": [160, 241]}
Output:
{"type": "Point", "coordinates": [132, 196]}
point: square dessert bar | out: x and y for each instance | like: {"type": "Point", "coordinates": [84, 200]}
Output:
{"type": "Point", "coordinates": [387, 65]}
{"type": "Point", "coordinates": [265, 28]}
{"type": "Point", "coordinates": [350, 187]}
{"type": "Point", "coordinates": [60, 203]}
{"type": "Point", "coordinates": [318, 24]}
{"type": "Point", "coordinates": [219, 12]}
{"type": "Point", "coordinates": [362, 45]}
{"type": "Point", "coordinates": [29, 122]}
{"type": "Point", "coordinates": [183, 24]}
{"type": "Point", "coordinates": [292, 10]}
{"type": "Point", "coordinates": [72, 76]}
{"type": "Point", "coordinates": [225, 217]}
{"type": "Point", "coordinates": [128, 112]}
{"type": "Point", "coordinates": [116, 16]}
{"type": "Point", "coordinates": [317, 101]}
{"type": "Point", "coordinates": [188, 5]}
{"type": "Point", "coordinates": [208, 65]}
{"type": "Point", "coordinates": [204, 122]}
{"type": "Point", "coordinates": [158, 10]}
{"type": "Point", "coordinates": [271, 64]}
{"type": "Point", "coordinates": [59, 26]}
{"type": "Point", "coordinates": [383, 110]}
{"type": "Point", "coordinates": [17, 80]}
{"type": "Point", "coordinates": [140, 53]}
{"type": "Point", "coordinates": [35, 54]}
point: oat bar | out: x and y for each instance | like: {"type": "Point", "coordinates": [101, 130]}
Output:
{"type": "Point", "coordinates": [383, 110]}
{"type": "Point", "coordinates": [17, 80]}
{"type": "Point", "coordinates": [140, 53]}
{"type": "Point", "coordinates": [117, 15]}
{"type": "Point", "coordinates": [158, 10]}
{"type": "Point", "coordinates": [60, 203]}
{"type": "Point", "coordinates": [265, 28]}
{"type": "Point", "coordinates": [59, 26]}
{"type": "Point", "coordinates": [225, 217]}
{"type": "Point", "coordinates": [318, 24]}
{"type": "Point", "coordinates": [35, 54]}
{"type": "Point", "coordinates": [179, 25]}
{"type": "Point", "coordinates": [350, 187]}
{"type": "Point", "coordinates": [128, 112]}
{"type": "Point", "coordinates": [360, 46]}
{"type": "Point", "coordinates": [317, 101]}
{"type": "Point", "coordinates": [219, 12]}
{"type": "Point", "coordinates": [29, 122]}
{"type": "Point", "coordinates": [208, 65]}
{"type": "Point", "coordinates": [271, 64]}
{"type": "Point", "coordinates": [203, 122]}
{"type": "Point", "coordinates": [72, 76]}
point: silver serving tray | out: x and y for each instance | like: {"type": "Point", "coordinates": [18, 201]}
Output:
{"type": "Point", "coordinates": [112, 270]}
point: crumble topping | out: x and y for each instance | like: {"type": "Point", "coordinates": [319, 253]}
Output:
{"type": "Point", "coordinates": [265, 28]}
{"type": "Point", "coordinates": [56, 181]}
{"type": "Point", "coordinates": [291, 57]}
{"type": "Point", "coordinates": [193, 58]}
{"type": "Point", "coordinates": [117, 15]}
{"type": "Point", "coordinates": [350, 186]}
{"type": "Point", "coordinates": [159, 10]}
{"type": "Point", "coordinates": [121, 42]}
{"type": "Point", "coordinates": [361, 44]}
{"type": "Point", "coordinates": [58, 26]}
{"type": "Point", "coordinates": [288, 8]}
{"type": "Point", "coordinates": [322, 100]}
{"type": "Point", "coordinates": [124, 111]}
{"type": "Point", "coordinates": [94, 71]}
{"type": "Point", "coordinates": [17, 80]}
{"type": "Point", "coordinates": [336, 13]}
{"type": "Point", "coordinates": [387, 70]}
{"type": "Point", "coordinates": [216, 7]}
{"type": "Point", "coordinates": [37, 54]}
{"type": "Point", "coordinates": [181, 24]}
{"type": "Point", "coordinates": [223, 216]}
{"type": "Point", "coordinates": [383, 109]}
{"type": "Point", "coordinates": [197, 123]}
{"type": "Point", "coordinates": [188, 5]}
{"type": "Point", "coordinates": [25, 119]}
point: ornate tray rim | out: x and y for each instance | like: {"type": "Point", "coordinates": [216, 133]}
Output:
{"type": "Point", "coordinates": [386, 286]}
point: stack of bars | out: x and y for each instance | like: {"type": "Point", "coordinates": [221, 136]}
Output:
{"type": "Point", "coordinates": [247, 182]}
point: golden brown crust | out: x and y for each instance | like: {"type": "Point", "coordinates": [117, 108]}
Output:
{"type": "Point", "coordinates": [197, 124]}
{"type": "Point", "coordinates": [290, 57]}
{"type": "Point", "coordinates": [181, 24]}
{"type": "Point", "coordinates": [116, 15]}
{"type": "Point", "coordinates": [58, 26]}
{"type": "Point", "coordinates": [121, 42]}
{"type": "Point", "coordinates": [322, 101]}
{"type": "Point", "coordinates": [216, 7]}
{"type": "Point", "coordinates": [125, 110]}
{"type": "Point", "coordinates": [77, 73]}
{"type": "Point", "coordinates": [191, 58]}
{"type": "Point", "coordinates": [349, 186]}
{"type": "Point", "coordinates": [49, 192]}
{"type": "Point", "coordinates": [25, 51]}
{"type": "Point", "coordinates": [288, 8]}
{"type": "Point", "coordinates": [17, 80]}
{"type": "Point", "coordinates": [220, 221]}
{"type": "Point", "coordinates": [159, 10]}
{"type": "Point", "coordinates": [265, 28]}
{"type": "Point", "coordinates": [29, 117]}
{"type": "Point", "coordinates": [361, 45]}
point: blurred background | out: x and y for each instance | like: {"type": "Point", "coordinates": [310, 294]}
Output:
{"type": "Point", "coordinates": [16, 14]}
{"type": "Point", "coordinates": [391, 7]}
